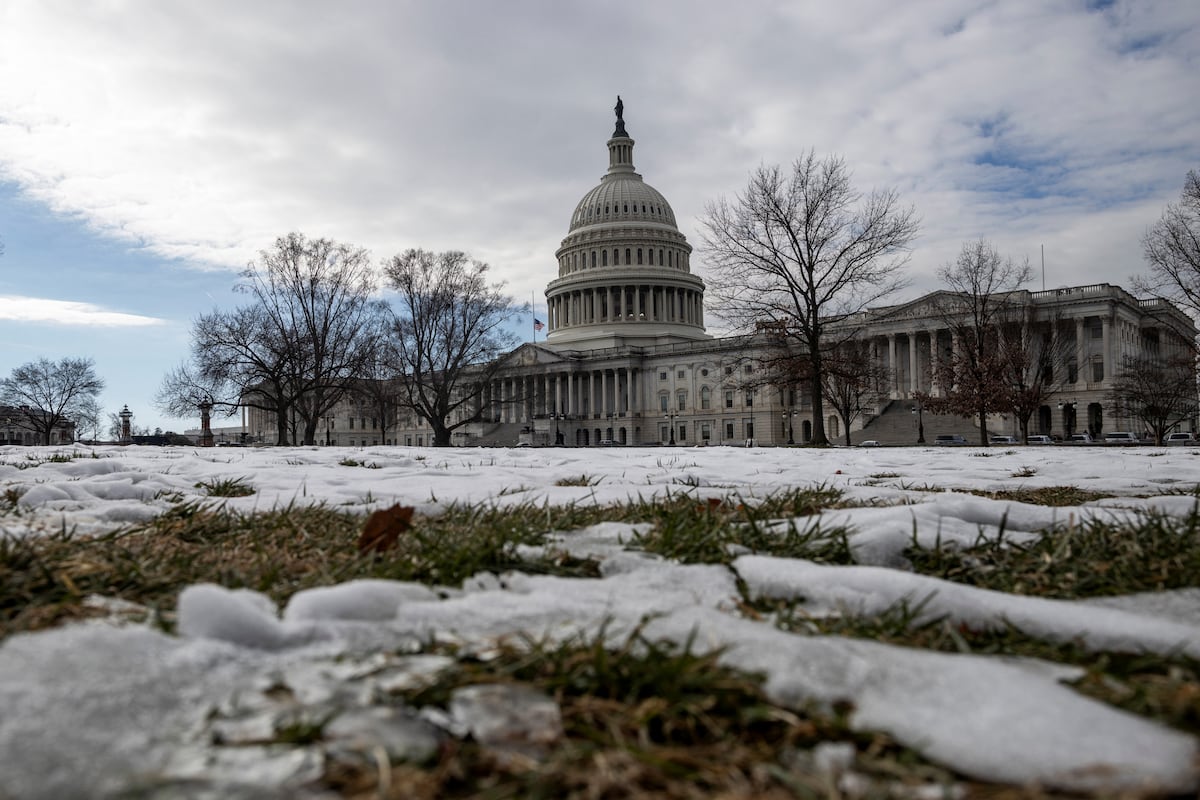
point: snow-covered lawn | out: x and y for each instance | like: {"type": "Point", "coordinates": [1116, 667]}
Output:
{"type": "Point", "coordinates": [99, 708]}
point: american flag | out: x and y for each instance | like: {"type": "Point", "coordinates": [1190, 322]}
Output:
{"type": "Point", "coordinates": [538, 324]}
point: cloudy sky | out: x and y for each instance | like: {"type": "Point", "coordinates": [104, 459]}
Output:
{"type": "Point", "coordinates": [150, 148]}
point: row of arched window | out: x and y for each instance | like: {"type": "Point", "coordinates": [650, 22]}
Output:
{"type": "Point", "coordinates": [615, 208]}
{"type": "Point", "coordinates": [667, 257]}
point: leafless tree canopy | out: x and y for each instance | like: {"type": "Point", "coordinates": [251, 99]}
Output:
{"type": "Point", "coordinates": [798, 249]}
{"type": "Point", "coordinates": [854, 382]}
{"type": "Point", "coordinates": [450, 326]}
{"type": "Point", "coordinates": [47, 393]}
{"type": "Point", "coordinates": [1172, 250]}
{"type": "Point", "coordinates": [982, 304]}
{"type": "Point", "coordinates": [293, 349]}
{"type": "Point", "coordinates": [1161, 392]}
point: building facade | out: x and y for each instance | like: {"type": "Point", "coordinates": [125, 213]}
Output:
{"type": "Point", "coordinates": [17, 428]}
{"type": "Point", "coordinates": [627, 361]}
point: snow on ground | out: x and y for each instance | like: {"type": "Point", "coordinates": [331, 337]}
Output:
{"type": "Point", "coordinates": [114, 708]}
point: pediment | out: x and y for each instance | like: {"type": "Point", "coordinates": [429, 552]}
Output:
{"type": "Point", "coordinates": [529, 355]}
{"type": "Point", "coordinates": [931, 306]}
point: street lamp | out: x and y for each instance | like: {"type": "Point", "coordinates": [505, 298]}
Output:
{"type": "Point", "coordinates": [919, 410]}
{"type": "Point", "coordinates": [670, 416]}
{"type": "Point", "coordinates": [558, 437]}
{"type": "Point", "coordinates": [1069, 417]}
{"type": "Point", "coordinates": [789, 418]}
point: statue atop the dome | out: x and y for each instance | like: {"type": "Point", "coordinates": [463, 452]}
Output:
{"type": "Point", "coordinates": [620, 109]}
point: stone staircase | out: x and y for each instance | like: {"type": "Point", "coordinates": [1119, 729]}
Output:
{"type": "Point", "coordinates": [898, 425]}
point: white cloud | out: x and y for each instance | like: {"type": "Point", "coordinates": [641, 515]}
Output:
{"type": "Point", "coordinates": [68, 312]}
{"type": "Point", "coordinates": [203, 132]}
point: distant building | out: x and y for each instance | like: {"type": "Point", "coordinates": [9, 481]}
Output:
{"type": "Point", "coordinates": [15, 427]}
{"type": "Point", "coordinates": [627, 360]}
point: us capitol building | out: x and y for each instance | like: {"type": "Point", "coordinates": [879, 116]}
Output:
{"type": "Point", "coordinates": [626, 359]}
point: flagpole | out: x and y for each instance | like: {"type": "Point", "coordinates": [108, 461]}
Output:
{"type": "Point", "coordinates": [533, 314]}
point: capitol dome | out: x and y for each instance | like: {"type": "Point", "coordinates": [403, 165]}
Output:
{"type": "Point", "coordinates": [624, 275]}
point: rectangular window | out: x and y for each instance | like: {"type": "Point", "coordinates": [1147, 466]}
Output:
{"type": "Point", "coordinates": [1097, 371]}
{"type": "Point", "coordinates": [729, 399]}
{"type": "Point", "coordinates": [1072, 373]}
{"type": "Point", "coordinates": [662, 376]}
{"type": "Point", "coordinates": [705, 402]}
{"type": "Point", "coordinates": [681, 401]}
{"type": "Point", "coordinates": [1097, 332]}
{"type": "Point", "coordinates": [351, 423]}
{"type": "Point", "coordinates": [728, 430]}
{"type": "Point", "coordinates": [663, 434]}
{"type": "Point", "coordinates": [705, 431]}
{"type": "Point", "coordinates": [749, 429]}
{"type": "Point", "coordinates": [682, 432]}
{"type": "Point", "coordinates": [662, 402]}
{"type": "Point", "coordinates": [680, 374]}
{"type": "Point", "coordinates": [749, 398]}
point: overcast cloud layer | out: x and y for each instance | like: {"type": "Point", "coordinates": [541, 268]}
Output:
{"type": "Point", "coordinates": [203, 131]}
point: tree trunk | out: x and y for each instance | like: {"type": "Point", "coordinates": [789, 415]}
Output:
{"type": "Point", "coordinates": [282, 422]}
{"type": "Point", "coordinates": [819, 439]}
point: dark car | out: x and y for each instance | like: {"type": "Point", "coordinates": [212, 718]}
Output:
{"type": "Point", "coordinates": [949, 440]}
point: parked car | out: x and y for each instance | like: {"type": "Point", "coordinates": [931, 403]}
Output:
{"type": "Point", "coordinates": [1121, 437]}
{"type": "Point", "coordinates": [949, 440]}
{"type": "Point", "coordinates": [1001, 439]}
{"type": "Point", "coordinates": [1080, 438]}
{"type": "Point", "coordinates": [868, 443]}
{"type": "Point", "coordinates": [1039, 439]}
{"type": "Point", "coordinates": [1180, 437]}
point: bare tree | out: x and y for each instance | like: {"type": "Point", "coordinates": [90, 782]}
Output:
{"type": "Point", "coordinates": [45, 394]}
{"type": "Point", "coordinates": [237, 359]}
{"type": "Point", "coordinates": [89, 419]}
{"type": "Point", "coordinates": [853, 382]}
{"type": "Point", "coordinates": [1172, 251]}
{"type": "Point", "coordinates": [1161, 392]}
{"type": "Point", "coordinates": [1034, 355]}
{"type": "Point", "coordinates": [974, 379]}
{"type": "Point", "coordinates": [802, 249]}
{"type": "Point", "coordinates": [316, 297]}
{"type": "Point", "coordinates": [450, 332]}
{"type": "Point", "coordinates": [293, 351]}
{"type": "Point", "coordinates": [380, 384]}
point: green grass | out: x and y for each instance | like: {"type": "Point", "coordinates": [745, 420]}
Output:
{"type": "Point", "coordinates": [1096, 558]}
{"type": "Point", "coordinates": [226, 487]}
{"type": "Point", "coordinates": [641, 718]}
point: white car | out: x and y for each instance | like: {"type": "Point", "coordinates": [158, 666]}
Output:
{"type": "Point", "coordinates": [1180, 437]}
{"type": "Point", "coordinates": [1000, 439]}
{"type": "Point", "coordinates": [1039, 439]}
{"type": "Point", "coordinates": [1121, 437]}
{"type": "Point", "coordinates": [868, 443]}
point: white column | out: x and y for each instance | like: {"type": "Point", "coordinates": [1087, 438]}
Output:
{"type": "Point", "coordinates": [1106, 347]}
{"type": "Point", "coordinates": [1080, 350]}
{"type": "Point", "coordinates": [913, 385]}
{"type": "Point", "coordinates": [892, 365]}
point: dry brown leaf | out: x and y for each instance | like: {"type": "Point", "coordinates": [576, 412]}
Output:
{"type": "Point", "coordinates": [383, 528]}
